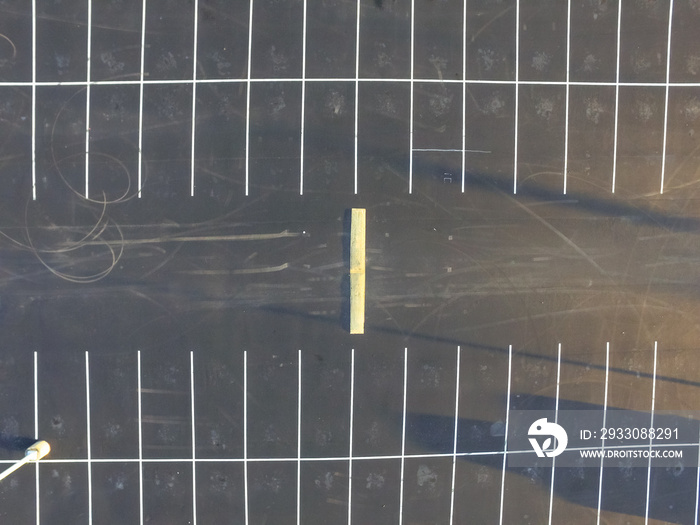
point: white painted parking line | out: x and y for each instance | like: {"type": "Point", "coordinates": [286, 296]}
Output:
{"type": "Point", "coordinates": [352, 419]}
{"type": "Point", "coordinates": [194, 98]}
{"type": "Point", "coordinates": [464, 94]}
{"type": "Point", "coordinates": [566, 109]}
{"type": "Point", "coordinates": [141, 83]}
{"type": "Point", "coordinates": [617, 98]}
{"type": "Point", "coordinates": [194, 448]}
{"type": "Point", "coordinates": [303, 102]}
{"type": "Point", "coordinates": [367, 80]}
{"type": "Point", "coordinates": [355, 459]}
{"type": "Point", "coordinates": [505, 437]}
{"type": "Point", "coordinates": [556, 420]}
{"type": "Point", "coordinates": [517, 97]}
{"type": "Point", "coordinates": [403, 434]}
{"type": "Point", "coordinates": [651, 425]}
{"type": "Point", "coordinates": [411, 85]}
{"type": "Point", "coordinates": [454, 444]}
{"type": "Point", "coordinates": [140, 460]}
{"type": "Point", "coordinates": [697, 486]}
{"type": "Point", "coordinates": [602, 443]}
{"type": "Point", "coordinates": [247, 100]}
{"type": "Point", "coordinates": [668, 80]}
{"type": "Point", "coordinates": [87, 100]}
{"type": "Point", "coordinates": [299, 438]}
{"type": "Point", "coordinates": [33, 85]}
{"type": "Point", "coordinates": [357, 84]}
{"type": "Point", "coordinates": [36, 434]}
{"type": "Point", "coordinates": [245, 436]}
{"type": "Point", "coordinates": [88, 435]}
{"type": "Point", "coordinates": [453, 150]}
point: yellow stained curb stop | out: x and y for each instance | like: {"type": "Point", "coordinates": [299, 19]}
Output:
{"type": "Point", "coordinates": [357, 270]}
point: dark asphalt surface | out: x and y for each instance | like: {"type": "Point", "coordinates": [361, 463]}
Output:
{"type": "Point", "coordinates": [184, 288]}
